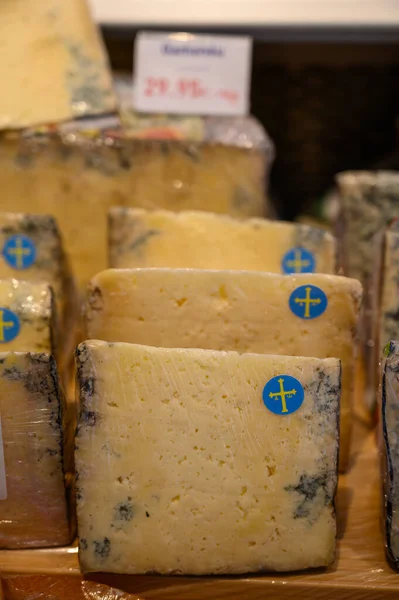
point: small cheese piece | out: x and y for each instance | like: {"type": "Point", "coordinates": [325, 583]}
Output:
{"type": "Point", "coordinates": [31, 249]}
{"type": "Point", "coordinates": [368, 201]}
{"type": "Point", "coordinates": [182, 468]}
{"type": "Point", "coordinates": [233, 310]}
{"type": "Point", "coordinates": [28, 317]}
{"type": "Point", "coordinates": [200, 240]}
{"type": "Point", "coordinates": [62, 36]}
{"type": "Point", "coordinates": [33, 505]}
{"type": "Point", "coordinates": [389, 423]}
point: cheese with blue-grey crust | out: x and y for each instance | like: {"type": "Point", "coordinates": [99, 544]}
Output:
{"type": "Point", "coordinates": [201, 240]}
{"type": "Point", "coordinates": [172, 438]}
{"type": "Point", "coordinates": [301, 315]}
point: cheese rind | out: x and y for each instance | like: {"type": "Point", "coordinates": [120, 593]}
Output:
{"type": "Point", "coordinates": [229, 310]}
{"type": "Point", "coordinates": [169, 437]}
{"type": "Point", "coordinates": [76, 80]}
{"type": "Point", "coordinates": [35, 512]}
{"type": "Point", "coordinates": [140, 238]}
{"type": "Point", "coordinates": [389, 423]}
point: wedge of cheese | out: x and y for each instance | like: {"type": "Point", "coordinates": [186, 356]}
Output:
{"type": "Point", "coordinates": [33, 504]}
{"type": "Point", "coordinates": [389, 428]}
{"type": "Point", "coordinates": [62, 36]}
{"type": "Point", "coordinates": [32, 250]}
{"type": "Point", "coordinates": [185, 436]}
{"type": "Point", "coordinates": [77, 179]}
{"type": "Point", "coordinates": [303, 315]}
{"type": "Point", "coordinates": [28, 317]}
{"type": "Point", "coordinates": [200, 240]}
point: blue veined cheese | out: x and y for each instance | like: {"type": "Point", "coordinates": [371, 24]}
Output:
{"type": "Point", "coordinates": [172, 438]}
{"type": "Point", "coordinates": [33, 500]}
{"type": "Point", "coordinates": [76, 80]}
{"type": "Point", "coordinates": [389, 423]}
{"type": "Point", "coordinates": [233, 310]}
{"type": "Point", "coordinates": [368, 201]}
{"type": "Point", "coordinates": [190, 239]}
{"type": "Point", "coordinates": [31, 249]}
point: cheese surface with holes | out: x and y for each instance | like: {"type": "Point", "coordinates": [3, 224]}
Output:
{"type": "Point", "coordinates": [28, 317]}
{"type": "Point", "coordinates": [232, 310]}
{"type": "Point", "coordinates": [182, 436]}
{"type": "Point", "coordinates": [61, 35]}
{"type": "Point", "coordinates": [33, 505]}
{"type": "Point", "coordinates": [140, 238]}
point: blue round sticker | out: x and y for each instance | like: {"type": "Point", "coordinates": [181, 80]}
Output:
{"type": "Point", "coordinates": [308, 302]}
{"type": "Point", "coordinates": [283, 395]}
{"type": "Point", "coordinates": [19, 252]}
{"type": "Point", "coordinates": [9, 325]}
{"type": "Point", "coordinates": [298, 260]}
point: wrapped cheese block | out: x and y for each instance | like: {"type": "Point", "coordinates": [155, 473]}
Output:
{"type": "Point", "coordinates": [32, 250]}
{"type": "Point", "coordinates": [302, 315]}
{"type": "Point", "coordinates": [184, 468]}
{"type": "Point", "coordinates": [140, 238]}
{"type": "Point", "coordinates": [368, 201]}
{"type": "Point", "coordinates": [76, 80]}
{"type": "Point", "coordinates": [59, 587]}
{"type": "Point", "coordinates": [389, 428]}
{"type": "Point", "coordinates": [33, 466]}
{"type": "Point", "coordinates": [77, 178]}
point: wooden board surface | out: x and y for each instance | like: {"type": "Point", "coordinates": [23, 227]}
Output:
{"type": "Point", "coordinates": [360, 571]}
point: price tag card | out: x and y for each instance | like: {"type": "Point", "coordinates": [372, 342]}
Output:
{"type": "Point", "coordinates": [182, 73]}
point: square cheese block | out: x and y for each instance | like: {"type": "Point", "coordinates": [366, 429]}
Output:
{"type": "Point", "coordinates": [200, 240]}
{"type": "Point", "coordinates": [77, 179]}
{"type": "Point", "coordinates": [368, 201]}
{"type": "Point", "coordinates": [32, 250]}
{"type": "Point", "coordinates": [33, 502]}
{"type": "Point", "coordinates": [28, 317]}
{"type": "Point", "coordinates": [389, 429]}
{"type": "Point", "coordinates": [76, 80]}
{"type": "Point", "coordinates": [197, 462]}
{"type": "Point", "coordinates": [302, 315]}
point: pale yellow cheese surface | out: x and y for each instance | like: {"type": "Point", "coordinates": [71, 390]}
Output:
{"type": "Point", "coordinates": [34, 514]}
{"type": "Point", "coordinates": [182, 468]}
{"type": "Point", "coordinates": [54, 66]}
{"type": "Point", "coordinates": [140, 238]}
{"type": "Point", "coordinates": [229, 310]}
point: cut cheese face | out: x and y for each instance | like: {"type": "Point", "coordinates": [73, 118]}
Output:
{"type": "Point", "coordinates": [199, 240]}
{"type": "Point", "coordinates": [28, 318]}
{"type": "Point", "coordinates": [33, 509]}
{"type": "Point", "coordinates": [182, 437]}
{"type": "Point", "coordinates": [76, 80]}
{"type": "Point", "coordinates": [78, 181]}
{"type": "Point", "coordinates": [232, 310]}
{"type": "Point", "coordinates": [389, 424]}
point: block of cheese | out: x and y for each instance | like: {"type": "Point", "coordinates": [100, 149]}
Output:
{"type": "Point", "coordinates": [32, 250]}
{"type": "Point", "coordinates": [77, 179]}
{"type": "Point", "coordinates": [62, 36]}
{"type": "Point", "coordinates": [200, 240]}
{"type": "Point", "coordinates": [33, 504]}
{"type": "Point", "coordinates": [302, 315]}
{"type": "Point", "coordinates": [389, 429]}
{"type": "Point", "coordinates": [28, 317]}
{"type": "Point", "coordinates": [186, 436]}
{"type": "Point", "coordinates": [368, 201]}
{"type": "Point", "coordinates": [59, 587]}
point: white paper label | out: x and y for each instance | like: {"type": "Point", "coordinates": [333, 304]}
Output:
{"type": "Point", "coordinates": [192, 74]}
{"type": "Point", "coordinates": [3, 483]}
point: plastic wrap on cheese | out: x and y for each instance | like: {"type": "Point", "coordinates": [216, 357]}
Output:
{"type": "Point", "coordinates": [36, 461]}
{"type": "Point", "coordinates": [41, 587]}
{"type": "Point", "coordinates": [77, 178]}
{"type": "Point", "coordinates": [54, 66]}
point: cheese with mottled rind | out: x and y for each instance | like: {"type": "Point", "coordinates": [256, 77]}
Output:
{"type": "Point", "coordinates": [229, 310]}
{"type": "Point", "coordinates": [140, 238]}
{"type": "Point", "coordinates": [181, 468]}
{"type": "Point", "coordinates": [32, 410]}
